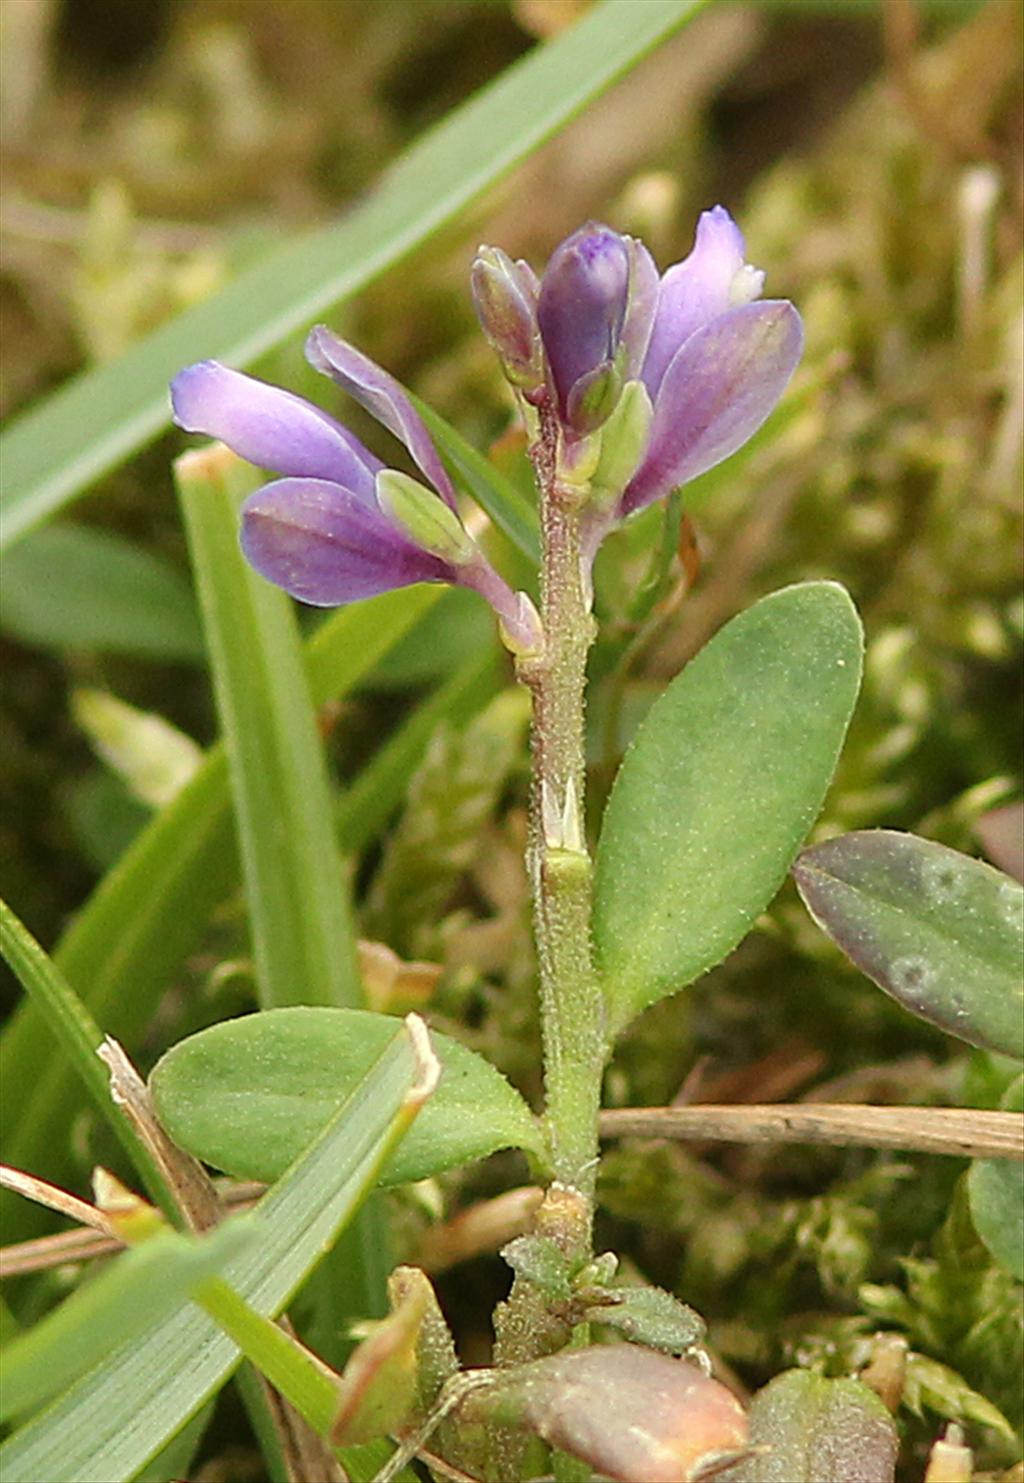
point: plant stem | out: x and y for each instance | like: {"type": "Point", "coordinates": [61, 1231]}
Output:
{"type": "Point", "coordinates": [572, 1014]}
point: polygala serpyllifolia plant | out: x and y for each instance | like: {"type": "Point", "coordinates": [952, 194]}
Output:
{"type": "Point", "coordinates": [630, 384]}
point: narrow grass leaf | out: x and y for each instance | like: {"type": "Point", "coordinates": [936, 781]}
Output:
{"type": "Point", "coordinates": [299, 920]}
{"type": "Point", "coordinates": [492, 491]}
{"type": "Point", "coordinates": [290, 1368]}
{"type": "Point", "coordinates": [137, 1291]}
{"type": "Point", "coordinates": [374, 795]}
{"type": "Point", "coordinates": [108, 1425]}
{"type": "Point", "coordinates": [71, 587]}
{"type": "Point", "coordinates": [77, 1033]}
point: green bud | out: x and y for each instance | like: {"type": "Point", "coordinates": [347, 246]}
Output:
{"type": "Point", "coordinates": [424, 517]}
{"type": "Point", "coordinates": [505, 296]}
{"type": "Point", "coordinates": [594, 398]}
{"type": "Point", "coordinates": [623, 442]}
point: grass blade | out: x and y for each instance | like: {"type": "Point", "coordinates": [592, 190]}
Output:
{"type": "Point", "coordinates": [56, 451]}
{"type": "Point", "coordinates": [77, 1032]}
{"type": "Point", "coordinates": [108, 1425]}
{"type": "Point", "coordinates": [381, 785]}
{"type": "Point", "coordinates": [299, 920]}
{"type": "Point", "coordinates": [74, 587]}
{"type": "Point", "coordinates": [493, 492]}
{"type": "Point", "coordinates": [135, 1292]}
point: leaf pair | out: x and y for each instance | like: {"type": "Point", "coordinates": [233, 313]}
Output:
{"type": "Point", "coordinates": [713, 801]}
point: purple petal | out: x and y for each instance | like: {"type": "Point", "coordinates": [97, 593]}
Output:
{"type": "Point", "coordinates": [694, 291]}
{"type": "Point", "coordinates": [716, 393]}
{"type": "Point", "coordinates": [325, 546]}
{"type": "Point", "coordinates": [270, 427]}
{"type": "Point", "coordinates": [643, 303]}
{"type": "Point", "coordinates": [582, 304]}
{"type": "Point", "coordinates": [383, 398]}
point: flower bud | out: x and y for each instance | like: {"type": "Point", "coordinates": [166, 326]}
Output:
{"type": "Point", "coordinates": [594, 398]}
{"type": "Point", "coordinates": [424, 518]}
{"type": "Point", "coordinates": [581, 309]}
{"type": "Point", "coordinates": [505, 296]}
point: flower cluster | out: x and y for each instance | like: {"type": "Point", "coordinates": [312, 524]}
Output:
{"type": "Point", "coordinates": [653, 380]}
{"type": "Point", "coordinates": [648, 382]}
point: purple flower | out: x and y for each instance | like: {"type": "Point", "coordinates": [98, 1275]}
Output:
{"type": "Point", "coordinates": [717, 361]}
{"type": "Point", "coordinates": [339, 525]}
{"type": "Point", "coordinates": [672, 374]}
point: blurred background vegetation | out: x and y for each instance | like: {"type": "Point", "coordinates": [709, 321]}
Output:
{"type": "Point", "coordinates": [153, 148]}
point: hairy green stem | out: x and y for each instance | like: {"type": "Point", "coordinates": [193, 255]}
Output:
{"type": "Point", "coordinates": [571, 1007]}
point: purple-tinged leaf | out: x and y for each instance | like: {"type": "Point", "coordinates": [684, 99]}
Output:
{"type": "Point", "coordinates": [271, 428]}
{"type": "Point", "coordinates": [940, 932]}
{"type": "Point", "coordinates": [718, 389]}
{"type": "Point", "coordinates": [326, 546]}
{"type": "Point", "coordinates": [1001, 832]}
{"type": "Point", "coordinates": [383, 397]}
{"type": "Point", "coordinates": [633, 1415]}
{"type": "Point", "coordinates": [807, 1429]}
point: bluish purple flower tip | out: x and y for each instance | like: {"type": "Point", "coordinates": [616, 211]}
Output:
{"type": "Point", "coordinates": [581, 310]}
{"type": "Point", "coordinates": [321, 532]}
{"type": "Point", "coordinates": [717, 361]}
{"type": "Point", "coordinates": [713, 358]}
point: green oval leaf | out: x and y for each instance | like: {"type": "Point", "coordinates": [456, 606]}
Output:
{"type": "Point", "coordinates": [249, 1094]}
{"type": "Point", "coordinates": [995, 1188]}
{"type": "Point", "coordinates": [940, 932]}
{"type": "Point", "coordinates": [807, 1429]}
{"type": "Point", "coordinates": [715, 796]}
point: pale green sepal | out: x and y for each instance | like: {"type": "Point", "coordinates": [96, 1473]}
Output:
{"type": "Point", "coordinates": [577, 460]}
{"type": "Point", "coordinates": [424, 517]}
{"type": "Point", "coordinates": [623, 441]}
